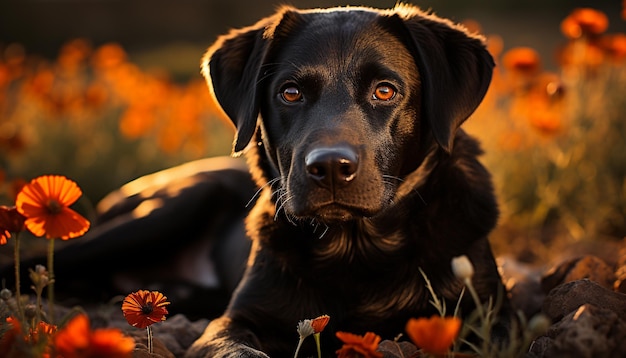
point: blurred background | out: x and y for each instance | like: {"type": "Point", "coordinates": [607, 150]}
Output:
{"type": "Point", "coordinates": [104, 91]}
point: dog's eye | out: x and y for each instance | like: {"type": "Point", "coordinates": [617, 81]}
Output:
{"type": "Point", "coordinates": [384, 92]}
{"type": "Point", "coordinates": [291, 94]}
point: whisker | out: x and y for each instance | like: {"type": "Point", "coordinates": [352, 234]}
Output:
{"type": "Point", "coordinates": [326, 228]}
{"type": "Point", "coordinates": [258, 192]}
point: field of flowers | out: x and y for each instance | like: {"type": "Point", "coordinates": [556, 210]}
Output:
{"type": "Point", "coordinates": [554, 141]}
{"type": "Point", "coordinates": [98, 118]}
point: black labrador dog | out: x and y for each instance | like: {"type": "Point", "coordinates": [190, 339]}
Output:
{"type": "Point", "coordinates": [357, 177]}
{"type": "Point", "coordinates": [349, 119]}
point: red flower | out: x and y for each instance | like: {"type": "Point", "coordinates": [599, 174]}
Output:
{"type": "Point", "coordinates": [320, 323]}
{"type": "Point", "coordinates": [143, 308]}
{"type": "Point", "coordinates": [45, 203]}
{"type": "Point", "coordinates": [358, 346]}
{"type": "Point", "coordinates": [433, 335]}
{"type": "Point", "coordinates": [10, 221]}
{"type": "Point", "coordinates": [77, 340]}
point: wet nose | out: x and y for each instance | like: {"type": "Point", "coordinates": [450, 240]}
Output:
{"type": "Point", "coordinates": [332, 166]}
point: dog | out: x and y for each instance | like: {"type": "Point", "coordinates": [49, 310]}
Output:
{"type": "Point", "coordinates": [350, 174]}
{"type": "Point", "coordinates": [349, 120]}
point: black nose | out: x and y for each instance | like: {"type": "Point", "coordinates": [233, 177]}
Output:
{"type": "Point", "coordinates": [332, 165]}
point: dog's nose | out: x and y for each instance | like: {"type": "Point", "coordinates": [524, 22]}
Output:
{"type": "Point", "coordinates": [332, 165]}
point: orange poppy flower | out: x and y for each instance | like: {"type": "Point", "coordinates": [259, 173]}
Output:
{"type": "Point", "coordinates": [320, 323]}
{"type": "Point", "coordinates": [584, 22]}
{"type": "Point", "coordinates": [45, 203]}
{"type": "Point", "coordinates": [522, 60]}
{"type": "Point", "coordinates": [358, 346]}
{"type": "Point", "coordinates": [143, 308]}
{"type": "Point", "coordinates": [433, 335]}
{"type": "Point", "coordinates": [77, 340]}
{"type": "Point", "coordinates": [10, 221]}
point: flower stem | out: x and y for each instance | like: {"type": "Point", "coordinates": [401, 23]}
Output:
{"type": "Point", "coordinates": [16, 258]}
{"type": "Point", "coordinates": [51, 280]}
{"type": "Point", "coordinates": [317, 342]}
{"type": "Point", "coordinates": [150, 346]}
{"type": "Point", "coordinates": [479, 305]}
{"type": "Point", "coordinates": [298, 347]}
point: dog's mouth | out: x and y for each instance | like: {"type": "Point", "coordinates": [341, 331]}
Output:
{"type": "Point", "coordinates": [337, 213]}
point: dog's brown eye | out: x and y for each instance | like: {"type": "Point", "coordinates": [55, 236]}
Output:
{"type": "Point", "coordinates": [291, 94]}
{"type": "Point", "coordinates": [384, 92]}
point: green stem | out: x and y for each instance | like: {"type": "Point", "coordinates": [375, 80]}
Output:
{"type": "Point", "coordinates": [18, 296]}
{"type": "Point", "coordinates": [317, 342]}
{"type": "Point", "coordinates": [51, 280]}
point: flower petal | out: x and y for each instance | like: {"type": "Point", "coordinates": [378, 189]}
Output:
{"type": "Point", "coordinates": [435, 334]}
{"type": "Point", "coordinates": [74, 337]}
{"type": "Point", "coordinates": [67, 224]}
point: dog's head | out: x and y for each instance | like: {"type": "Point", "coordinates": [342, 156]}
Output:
{"type": "Point", "coordinates": [346, 102]}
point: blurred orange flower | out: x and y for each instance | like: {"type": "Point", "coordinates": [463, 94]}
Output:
{"type": "Point", "coordinates": [584, 22]}
{"type": "Point", "coordinates": [15, 342]}
{"type": "Point", "coordinates": [320, 323]}
{"type": "Point", "coordinates": [143, 308]}
{"type": "Point", "coordinates": [77, 340]}
{"type": "Point", "coordinates": [45, 203]}
{"type": "Point", "coordinates": [522, 60]}
{"type": "Point", "coordinates": [10, 221]}
{"type": "Point", "coordinates": [359, 346]}
{"type": "Point", "coordinates": [615, 46]}
{"type": "Point", "coordinates": [8, 342]}
{"type": "Point", "coordinates": [433, 335]}
{"type": "Point", "coordinates": [545, 121]}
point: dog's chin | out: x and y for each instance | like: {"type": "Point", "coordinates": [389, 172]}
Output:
{"type": "Point", "coordinates": [334, 214]}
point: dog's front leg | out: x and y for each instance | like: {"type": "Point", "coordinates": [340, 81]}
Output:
{"type": "Point", "coordinates": [224, 339]}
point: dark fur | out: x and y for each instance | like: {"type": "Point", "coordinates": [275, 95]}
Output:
{"type": "Point", "coordinates": [348, 240]}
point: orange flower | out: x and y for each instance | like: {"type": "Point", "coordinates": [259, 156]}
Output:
{"type": "Point", "coordinates": [358, 346]}
{"type": "Point", "coordinates": [584, 22]}
{"type": "Point", "coordinates": [45, 203]}
{"type": "Point", "coordinates": [522, 60]}
{"type": "Point", "coordinates": [320, 323]}
{"type": "Point", "coordinates": [77, 340]}
{"type": "Point", "coordinates": [615, 46]}
{"type": "Point", "coordinates": [9, 341]}
{"type": "Point", "coordinates": [10, 221]}
{"type": "Point", "coordinates": [143, 308]}
{"type": "Point", "coordinates": [433, 335]}
{"type": "Point", "coordinates": [15, 341]}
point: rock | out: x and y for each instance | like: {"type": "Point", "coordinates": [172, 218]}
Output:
{"type": "Point", "coordinates": [620, 272]}
{"type": "Point", "coordinates": [567, 297]}
{"type": "Point", "coordinates": [588, 332]}
{"type": "Point", "coordinates": [394, 349]}
{"type": "Point", "coordinates": [141, 349]}
{"type": "Point", "coordinates": [589, 267]}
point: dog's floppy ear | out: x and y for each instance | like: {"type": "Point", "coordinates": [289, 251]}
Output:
{"type": "Point", "coordinates": [231, 67]}
{"type": "Point", "coordinates": [455, 70]}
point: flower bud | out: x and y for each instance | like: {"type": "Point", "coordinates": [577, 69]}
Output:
{"type": "Point", "coordinates": [462, 267]}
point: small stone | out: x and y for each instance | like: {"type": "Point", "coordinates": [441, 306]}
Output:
{"type": "Point", "coordinates": [567, 297]}
{"type": "Point", "coordinates": [585, 267]}
{"type": "Point", "coordinates": [588, 332]}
